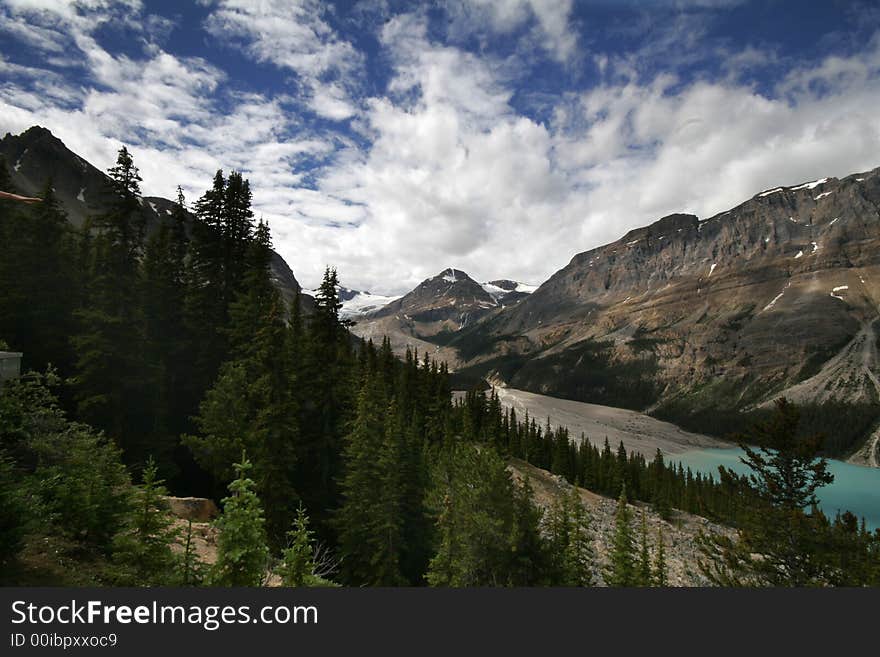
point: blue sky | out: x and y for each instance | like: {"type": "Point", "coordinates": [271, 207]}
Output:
{"type": "Point", "coordinates": [394, 139]}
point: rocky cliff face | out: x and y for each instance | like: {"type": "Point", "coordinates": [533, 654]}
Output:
{"type": "Point", "coordinates": [777, 295]}
{"type": "Point", "coordinates": [36, 157]}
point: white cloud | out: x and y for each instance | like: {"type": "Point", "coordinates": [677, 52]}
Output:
{"type": "Point", "coordinates": [551, 29]}
{"type": "Point", "coordinates": [293, 35]}
{"type": "Point", "coordinates": [442, 170]}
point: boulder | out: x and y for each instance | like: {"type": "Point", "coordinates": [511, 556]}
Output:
{"type": "Point", "coordinates": [197, 509]}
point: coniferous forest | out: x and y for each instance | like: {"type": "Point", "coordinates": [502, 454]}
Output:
{"type": "Point", "coordinates": [162, 359]}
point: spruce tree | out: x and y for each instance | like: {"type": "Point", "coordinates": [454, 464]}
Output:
{"type": "Point", "coordinates": [369, 520]}
{"type": "Point", "coordinates": [781, 534]}
{"type": "Point", "coordinates": [252, 405]}
{"type": "Point", "coordinates": [644, 567]}
{"type": "Point", "coordinates": [327, 365]}
{"type": "Point", "coordinates": [242, 553]}
{"type": "Point", "coordinates": [39, 285]}
{"type": "Point", "coordinates": [111, 370]}
{"type": "Point", "coordinates": [487, 527]}
{"type": "Point", "coordinates": [570, 542]}
{"type": "Point", "coordinates": [144, 551]}
{"type": "Point", "coordinates": [622, 570]}
{"type": "Point", "coordinates": [167, 341]}
{"type": "Point", "coordinates": [297, 559]}
{"type": "Point", "coordinates": [191, 570]}
{"type": "Point", "coordinates": [661, 573]}
{"type": "Point", "coordinates": [205, 309]}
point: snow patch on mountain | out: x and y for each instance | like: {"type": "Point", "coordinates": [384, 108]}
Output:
{"type": "Point", "coordinates": [812, 185]}
{"type": "Point", "coordinates": [356, 303]}
{"type": "Point", "coordinates": [18, 163]}
{"type": "Point", "coordinates": [450, 277]}
{"type": "Point", "coordinates": [498, 293]}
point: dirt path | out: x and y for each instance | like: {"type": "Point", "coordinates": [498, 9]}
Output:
{"type": "Point", "coordinates": [639, 432]}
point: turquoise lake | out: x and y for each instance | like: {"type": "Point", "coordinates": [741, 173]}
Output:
{"type": "Point", "coordinates": [856, 488]}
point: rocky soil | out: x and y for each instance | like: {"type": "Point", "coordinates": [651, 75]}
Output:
{"type": "Point", "coordinates": [679, 534]}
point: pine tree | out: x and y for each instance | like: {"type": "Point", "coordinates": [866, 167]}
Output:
{"type": "Point", "coordinates": [237, 231]}
{"type": "Point", "coordinates": [622, 570]}
{"type": "Point", "coordinates": [252, 405]}
{"type": "Point", "coordinates": [242, 553]}
{"type": "Point", "coordinates": [144, 552]}
{"type": "Point", "coordinates": [487, 528]}
{"type": "Point", "coordinates": [191, 570]}
{"type": "Point", "coordinates": [84, 492]}
{"type": "Point", "coordinates": [369, 520]}
{"type": "Point", "coordinates": [661, 576]}
{"type": "Point", "coordinates": [328, 366]}
{"type": "Point", "coordinates": [205, 309]}
{"type": "Point", "coordinates": [779, 542]}
{"type": "Point", "coordinates": [39, 285]}
{"type": "Point", "coordinates": [298, 559]}
{"type": "Point", "coordinates": [111, 369]}
{"type": "Point", "coordinates": [164, 291]}
{"type": "Point", "coordinates": [570, 542]}
{"type": "Point", "coordinates": [644, 566]}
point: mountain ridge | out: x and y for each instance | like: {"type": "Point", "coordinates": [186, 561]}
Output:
{"type": "Point", "coordinates": [36, 156]}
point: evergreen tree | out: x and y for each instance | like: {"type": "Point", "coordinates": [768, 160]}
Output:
{"type": "Point", "coordinates": [661, 574]}
{"type": "Point", "coordinates": [252, 405]}
{"type": "Point", "coordinates": [487, 529]}
{"type": "Point", "coordinates": [299, 566]}
{"type": "Point", "coordinates": [191, 571]}
{"type": "Point", "coordinates": [111, 370]}
{"type": "Point", "coordinates": [369, 520]}
{"type": "Point", "coordinates": [144, 551]}
{"type": "Point", "coordinates": [81, 494]}
{"type": "Point", "coordinates": [39, 285]}
{"type": "Point", "coordinates": [167, 341]}
{"type": "Point", "coordinates": [329, 369]}
{"type": "Point", "coordinates": [622, 570]}
{"type": "Point", "coordinates": [645, 577]}
{"type": "Point", "coordinates": [779, 542]}
{"type": "Point", "coordinates": [205, 307]}
{"type": "Point", "coordinates": [242, 553]}
{"type": "Point", "coordinates": [570, 542]}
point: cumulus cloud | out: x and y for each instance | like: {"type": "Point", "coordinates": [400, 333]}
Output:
{"type": "Point", "coordinates": [293, 35]}
{"type": "Point", "coordinates": [460, 179]}
{"type": "Point", "coordinates": [438, 168]}
{"type": "Point", "coordinates": [549, 21]}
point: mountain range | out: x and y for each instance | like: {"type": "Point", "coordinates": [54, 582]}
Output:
{"type": "Point", "coordinates": [776, 296]}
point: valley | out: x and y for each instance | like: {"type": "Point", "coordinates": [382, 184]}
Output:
{"type": "Point", "coordinates": [700, 322]}
{"type": "Point", "coordinates": [638, 432]}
